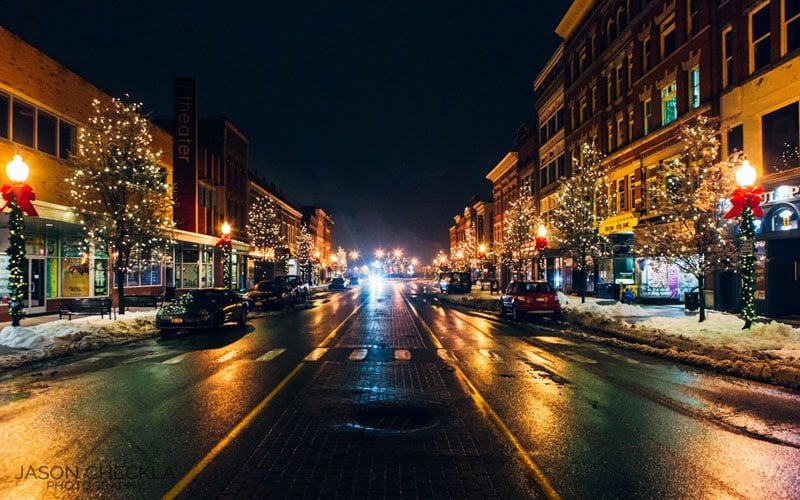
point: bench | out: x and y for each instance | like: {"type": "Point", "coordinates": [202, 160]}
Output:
{"type": "Point", "coordinates": [87, 306]}
{"type": "Point", "coordinates": [140, 301]}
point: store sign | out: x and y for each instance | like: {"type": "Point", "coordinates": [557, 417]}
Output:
{"type": "Point", "coordinates": [782, 193]}
{"type": "Point", "coordinates": [622, 223]}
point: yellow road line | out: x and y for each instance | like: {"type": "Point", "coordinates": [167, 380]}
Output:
{"type": "Point", "coordinates": [202, 464]}
{"type": "Point", "coordinates": [490, 414]}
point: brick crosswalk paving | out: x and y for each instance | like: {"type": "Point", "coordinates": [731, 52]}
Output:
{"type": "Point", "coordinates": [380, 427]}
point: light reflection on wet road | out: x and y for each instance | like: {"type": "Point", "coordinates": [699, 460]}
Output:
{"type": "Point", "coordinates": [598, 421]}
{"type": "Point", "coordinates": [604, 422]}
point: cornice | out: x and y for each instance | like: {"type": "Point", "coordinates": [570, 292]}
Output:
{"type": "Point", "coordinates": [576, 11]}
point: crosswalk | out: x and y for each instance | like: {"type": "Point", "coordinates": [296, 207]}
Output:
{"type": "Point", "coordinates": [362, 354]}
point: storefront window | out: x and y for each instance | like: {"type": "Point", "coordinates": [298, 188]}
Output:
{"type": "Point", "coordinates": [101, 277]}
{"type": "Point", "coordinates": [74, 277]}
{"type": "Point", "coordinates": [784, 219]}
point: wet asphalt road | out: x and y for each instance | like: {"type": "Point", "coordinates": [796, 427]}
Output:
{"type": "Point", "coordinates": [534, 408]}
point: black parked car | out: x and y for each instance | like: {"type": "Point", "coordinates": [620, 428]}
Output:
{"type": "Point", "coordinates": [202, 308]}
{"type": "Point", "coordinates": [299, 288]}
{"type": "Point", "coordinates": [338, 283]}
{"type": "Point", "coordinates": [455, 282]}
{"type": "Point", "coordinates": [272, 294]}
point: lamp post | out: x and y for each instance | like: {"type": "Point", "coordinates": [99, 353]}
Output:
{"type": "Point", "coordinates": [227, 247]}
{"type": "Point", "coordinates": [18, 197]}
{"type": "Point", "coordinates": [540, 245]}
{"type": "Point", "coordinates": [746, 201]}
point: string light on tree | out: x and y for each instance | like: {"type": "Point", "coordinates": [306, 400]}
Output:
{"type": "Point", "coordinates": [227, 248]}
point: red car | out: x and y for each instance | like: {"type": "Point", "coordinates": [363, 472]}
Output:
{"type": "Point", "coordinates": [530, 297]}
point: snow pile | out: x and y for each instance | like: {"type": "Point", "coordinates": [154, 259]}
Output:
{"type": "Point", "coordinates": [62, 337]}
{"type": "Point", "coordinates": [768, 351]}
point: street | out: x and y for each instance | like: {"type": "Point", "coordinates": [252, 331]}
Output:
{"type": "Point", "coordinates": [381, 391]}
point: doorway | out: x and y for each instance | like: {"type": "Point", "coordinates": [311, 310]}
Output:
{"type": "Point", "coordinates": [35, 298]}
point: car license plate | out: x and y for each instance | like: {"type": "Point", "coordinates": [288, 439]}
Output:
{"type": "Point", "coordinates": [257, 303]}
{"type": "Point", "coordinates": [540, 299]}
{"type": "Point", "coordinates": [177, 320]}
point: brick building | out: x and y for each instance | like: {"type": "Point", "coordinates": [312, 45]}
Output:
{"type": "Point", "coordinates": [42, 106]}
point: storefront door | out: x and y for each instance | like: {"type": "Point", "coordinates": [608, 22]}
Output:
{"type": "Point", "coordinates": [34, 301]}
{"type": "Point", "coordinates": [783, 277]}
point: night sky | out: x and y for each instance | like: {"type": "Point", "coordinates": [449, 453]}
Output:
{"type": "Point", "coordinates": [388, 115]}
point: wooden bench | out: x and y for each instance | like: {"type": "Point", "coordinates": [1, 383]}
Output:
{"type": "Point", "coordinates": [86, 306]}
{"type": "Point", "coordinates": [140, 301]}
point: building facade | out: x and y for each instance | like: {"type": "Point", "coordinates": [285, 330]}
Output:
{"type": "Point", "coordinates": [759, 75]}
{"type": "Point", "coordinates": [290, 217]}
{"type": "Point", "coordinates": [320, 226]}
{"type": "Point", "coordinates": [42, 107]}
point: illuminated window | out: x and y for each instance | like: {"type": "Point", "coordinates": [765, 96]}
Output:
{"type": "Point", "coordinates": [759, 38]}
{"type": "Point", "coordinates": [669, 103]}
{"type": "Point", "coordinates": [784, 219]}
{"type": "Point", "coordinates": [791, 21]}
{"type": "Point", "coordinates": [648, 114]}
{"type": "Point", "coordinates": [694, 87]}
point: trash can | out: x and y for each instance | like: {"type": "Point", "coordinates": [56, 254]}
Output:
{"type": "Point", "coordinates": [691, 301]}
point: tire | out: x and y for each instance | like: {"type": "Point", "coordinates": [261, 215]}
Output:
{"type": "Point", "coordinates": [502, 310]}
{"type": "Point", "coordinates": [556, 316]}
{"type": "Point", "coordinates": [242, 317]}
{"type": "Point", "coordinates": [219, 320]}
{"type": "Point", "coordinates": [514, 313]}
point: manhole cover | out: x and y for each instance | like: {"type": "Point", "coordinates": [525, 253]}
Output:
{"type": "Point", "coordinates": [393, 419]}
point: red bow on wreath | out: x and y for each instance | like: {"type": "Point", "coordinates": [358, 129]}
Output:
{"type": "Point", "coordinates": [541, 243]}
{"type": "Point", "coordinates": [225, 241]}
{"type": "Point", "coordinates": [24, 194]}
{"type": "Point", "coordinates": [747, 196]}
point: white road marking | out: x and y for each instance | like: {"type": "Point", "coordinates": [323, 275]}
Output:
{"type": "Point", "coordinates": [446, 354]}
{"type": "Point", "coordinates": [227, 357]}
{"type": "Point", "coordinates": [270, 355]}
{"type": "Point", "coordinates": [175, 360]}
{"type": "Point", "coordinates": [358, 355]}
{"type": "Point", "coordinates": [535, 358]}
{"type": "Point", "coordinates": [579, 358]}
{"type": "Point", "coordinates": [491, 355]}
{"type": "Point", "coordinates": [402, 355]}
{"type": "Point", "coordinates": [316, 354]}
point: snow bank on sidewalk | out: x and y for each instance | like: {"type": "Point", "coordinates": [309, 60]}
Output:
{"type": "Point", "coordinates": [62, 337]}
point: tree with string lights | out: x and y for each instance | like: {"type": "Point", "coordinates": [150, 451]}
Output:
{"type": "Point", "coordinates": [684, 204]}
{"type": "Point", "coordinates": [581, 203]}
{"type": "Point", "coordinates": [121, 195]}
{"type": "Point", "coordinates": [304, 249]}
{"type": "Point", "coordinates": [520, 223]}
{"type": "Point", "coordinates": [264, 229]}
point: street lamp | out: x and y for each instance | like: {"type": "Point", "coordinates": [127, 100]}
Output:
{"type": "Point", "coordinates": [18, 197]}
{"type": "Point", "coordinates": [540, 245]}
{"type": "Point", "coordinates": [746, 201]}
{"type": "Point", "coordinates": [227, 248]}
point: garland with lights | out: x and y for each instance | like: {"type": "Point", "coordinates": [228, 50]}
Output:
{"type": "Point", "coordinates": [16, 261]}
{"type": "Point", "coordinates": [747, 263]}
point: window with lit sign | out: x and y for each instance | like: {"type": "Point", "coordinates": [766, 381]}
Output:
{"type": "Point", "coordinates": [784, 219]}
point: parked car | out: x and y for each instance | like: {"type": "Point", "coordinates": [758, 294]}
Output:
{"type": "Point", "coordinates": [530, 297]}
{"type": "Point", "coordinates": [272, 294]}
{"type": "Point", "coordinates": [298, 286]}
{"type": "Point", "coordinates": [338, 283]}
{"type": "Point", "coordinates": [455, 282]}
{"type": "Point", "coordinates": [202, 308]}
